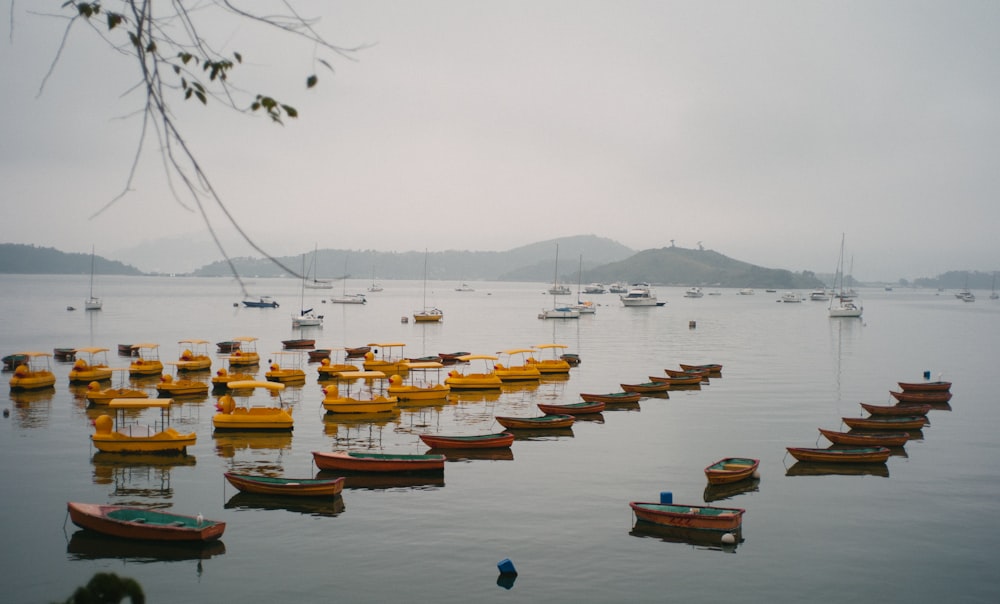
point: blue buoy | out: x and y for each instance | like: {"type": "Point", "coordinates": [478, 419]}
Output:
{"type": "Point", "coordinates": [666, 497]}
{"type": "Point", "coordinates": [506, 567]}
{"type": "Point", "coordinates": [927, 375]}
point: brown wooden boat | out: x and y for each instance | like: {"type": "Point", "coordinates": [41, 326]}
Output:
{"type": "Point", "coordinates": [449, 358]}
{"type": "Point", "coordinates": [694, 380]}
{"type": "Point", "coordinates": [317, 355]}
{"type": "Point", "coordinates": [907, 396]}
{"type": "Point", "coordinates": [712, 368]}
{"type": "Point", "coordinates": [298, 344]}
{"type": "Point", "coordinates": [143, 523]}
{"type": "Point", "coordinates": [584, 408]}
{"type": "Point", "coordinates": [358, 351]}
{"type": "Point", "coordinates": [687, 373]}
{"type": "Point", "coordinates": [499, 440]}
{"type": "Point", "coordinates": [731, 469]}
{"type": "Point", "coordinates": [857, 455]}
{"type": "Point", "coordinates": [298, 487]}
{"type": "Point", "coordinates": [612, 397]}
{"type": "Point", "coordinates": [534, 423]}
{"type": "Point", "coordinates": [689, 516]}
{"type": "Point", "coordinates": [937, 386]}
{"type": "Point", "coordinates": [646, 387]}
{"type": "Point", "coordinates": [896, 409]}
{"type": "Point", "coordinates": [355, 461]}
{"type": "Point", "coordinates": [904, 422]}
{"type": "Point", "coordinates": [867, 439]}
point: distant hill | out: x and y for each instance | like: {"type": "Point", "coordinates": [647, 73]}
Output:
{"type": "Point", "coordinates": [28, 259]}
{"type": "Point", "coordinates": [682, 266]}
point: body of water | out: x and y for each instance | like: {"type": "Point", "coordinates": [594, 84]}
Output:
{"type": "Point", "coordinates": [921, 530]}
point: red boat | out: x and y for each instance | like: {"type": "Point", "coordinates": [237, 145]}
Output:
{"type": "Point", "coordinates": [143, 523]}
{"type": "Point", "coordinates": [904, 422]}
{"type": "Point", "coordinates": [647, 388]}
{"type": "Point", "coordinates": [694, 380]}
{"type": "Point", "coordinates": [938, 386]}
{"type": "Point", "coordinates": [298, 344]}
{"type": "Point", "coordinates": [689, 516]}
{"type": "Point", "coordinates": [533, 423]}
{"type": "Point", "coordinates": [498, 440]}
{"type": "Point", "coordinates": [297, 487]}
{"type": "Point", "coordinates": [731, 469]}
{"type": "Point", "coordinates": [702, 373]}
{"type": "Point", "coordinates": [896, 409]}
{"type": "Point", "coordinates": [907, 396]}
{"type": "Point", "coordinates": [583, 408]}
{"type": "Point", "coordinates": [867, 439]}
{"type": "Point", "coordinates": [358, 351]}
{"type": "Point", "coordinates": [612, 397]}
{"type": "Point", "coordinates": [355, 461]}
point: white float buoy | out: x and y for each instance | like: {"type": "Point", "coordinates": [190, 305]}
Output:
{"type": "Point", "coordinates": [729, 538]}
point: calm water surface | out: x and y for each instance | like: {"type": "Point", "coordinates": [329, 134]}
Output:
{"type": "Point", "coordinates": [921, 530]}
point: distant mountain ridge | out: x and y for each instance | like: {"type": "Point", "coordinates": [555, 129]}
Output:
{"type": "Point", "coordinates": [603, 260]}
{"type": "Point", "coordinates": [31, 260]}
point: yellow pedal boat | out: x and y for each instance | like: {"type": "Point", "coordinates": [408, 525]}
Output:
{"type": "Point", "coordinates": [147, 360]}
{"type": "Point", "coordinates": [34, 372]}
{"type": "Point", "coordinates": [91, 365]}
{"type": "Point", "coordinates": [487, 379]}
{"type": "Point", "coordinates": [247, 417]}
{"type": "Point", "coordinates": [347, 396]}
{"type": "Point", "coordinates": [121, 436]}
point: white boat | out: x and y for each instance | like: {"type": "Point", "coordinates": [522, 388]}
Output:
{"type": "Point", "coordinates": [584, 307]}
{"type": "Point", "coordinates": [746, 291]}
{"type": "Point", "coordinates": [618, 288]}
{"type": "Point", "coordinates": [966, 296]}
{"type": "Point", "coordinates": [558, 312]}
{"type": "Point", "coordinates": [819, 295]}
{"type": "Point", "coordinates": [843, 304]}
{"type": "Point", "coordinates": [639, 294]}
{"type": "Point", "coordinates": [693, 292]}
{"type": "Point", "coordinates": [595, 288]}
{"type": "Point", "coordinates": [375, 286]}
{"type": "Point", "coordinates": [464, 288]}
{"type": "Point", "coordinates": [346, 298]}
{"type": "Point", "coordinates": [427, 315]}
{"type": "Point", "coordinates": [790, 298]}
{"type": "Point", "coordinates": [315, 283]}
{"type": "Point", "coordinates": [306, 316]}
{"type": "Point", "coordinates": [92, 302]}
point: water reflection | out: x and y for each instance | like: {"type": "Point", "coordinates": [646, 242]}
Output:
{"type": "Point", "coordinates": [138, 477]}
{"type": "Point", "coordinates": [541, 433]}
{"type": "Point", "coordinates": [312, 506]}
{"type": "Point", "coordinates": [811, 468]}
{"type": "Point", "coordinates": [380, 482]}
{"type": "Point", "coordinates": [88, 545]}
{"type": "Point", "coordinates": [501, 454]}
{"type": "Point", "coordinates": [718, 492]}
{"type": "Point", "coordinates": [701, 539]}
{"type": "Point", "coordinates": [32, 407]}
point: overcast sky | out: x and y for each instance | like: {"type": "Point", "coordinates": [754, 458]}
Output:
{"type": "Point", "coordinates": [763, 129]}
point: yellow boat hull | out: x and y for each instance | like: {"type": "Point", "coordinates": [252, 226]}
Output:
{"type": "Point", "coordinates": [33, 381]}
{"type": "Point", "coordinates": [474, 381]}
{"type": "Point", "coordinates": [254, 418]}
{"type": "Point", "coordinates": [90, 374]}
{"type": "Point", "coordinates": [167, 441]}
{"type": "Point", "coordinates": [416, 393]}
{"type": "Point", "coordinates": [379, 404]}
{"type": "Point", "coordinates": [145, 368]}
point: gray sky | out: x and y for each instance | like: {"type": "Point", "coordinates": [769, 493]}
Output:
{"type": "Point", "coordinates": [763, 129]}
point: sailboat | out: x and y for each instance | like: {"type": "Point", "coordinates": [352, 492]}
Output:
{"type": "Point", "coordinates": [375, 286]}
{"type": "Point", "coordinates": [306, 316]}
{"type": "Point", "coordinates": [842, 304]}
{"type": "Point", "coordinates": [427, 315]}
{"type": "Point", "coordinates": [994, 295]}
{"type": "Point", "coordinates": [559, 312]}
{"type": "Point", "coordinates": [92, 303]}
{"type": "Point", "coordinates": [584, 307]}
{"type": "Point", "coordinates": [316, 283]}
{"type": "Point", "coordinates": [344, 297]}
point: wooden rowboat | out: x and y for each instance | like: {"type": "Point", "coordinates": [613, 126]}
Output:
{"type": "Point", "coordinates": [143, 523]}
{"type": "Point", "coordinates": [694, 380]}
{"type": "Point", "coordinates": [938, 386]}
{"type": "Point", "coordinates": [612, 397]}
{"type": "Point", "coordinates": [921, 397]}
{"type": "Point", "coordinates": [712, 368]}
{"type": "Point", "coordinates": [298, 344]}
{"type": "Point", "coordinates": [905, 422]}
{"type": "Point", "coordinates": [298, 487]}
{"type": "Point", "coordinates": [867, 439]}
{"type": "Point", "coordinates": [584, 408]}
{"type": "Point", "coordinates": [317, 355]}
{"type": "Point", "coordinates": [646, 387]}
{"type": "Point", "coordinates": [896, 410]}
{"type": "Point", "coordinates": [498, 440]}
{"type": "Point", "coordinates": [689, 516]}
{"type": "Point", "coordinates": [731, 469]}
{"type": "Point", "coordinates": [687, 373]}
{"type": "Point", "coordinates": [355, 461]}
{"type": "Point", "coordinates": [543, 422]}
{"type": "Point", "coordinates": [857, 455]}
{"type": "Point", "coordinates": [357, 351]}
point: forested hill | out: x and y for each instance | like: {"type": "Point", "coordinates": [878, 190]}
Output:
{"type": "Point", "coordinates": [28, 259]}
